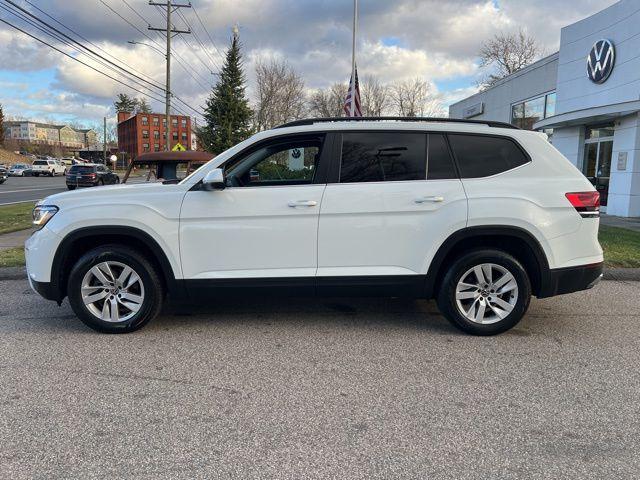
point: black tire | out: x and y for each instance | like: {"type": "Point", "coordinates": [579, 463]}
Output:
{"type": "Point", "coordinates": [101, 182]}
{"type": "Point", "coordinates": [36, 174]}
{"type": "Point", "coordinates": [71, 187]}
{"type": "Point", "coordinates": [460, 268]}
{"type": "Point", "coordinates": [153, 289]}
{"type": "Point", "coordinates": [117, 180]}
{"type": "Point", "coordinates": [52, 173]}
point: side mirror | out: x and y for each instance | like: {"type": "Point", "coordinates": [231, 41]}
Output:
{"type": "Point", "coordinates": [214, 180]}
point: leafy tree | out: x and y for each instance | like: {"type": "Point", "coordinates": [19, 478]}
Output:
{"type": "Point", "coordinates": [227, 114]}
{"type": "Point", "coordinates": [143, 106]}
{"type": "Point", "coordinates": [125, 103]}
{"type": "Point", "coordinates": [1, 125]}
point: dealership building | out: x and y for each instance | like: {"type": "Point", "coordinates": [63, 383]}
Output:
{"type": "Point", "coordinates": [586, 97]}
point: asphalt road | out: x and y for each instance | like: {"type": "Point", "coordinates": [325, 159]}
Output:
{"type": "Point", "coordinates": [322, 389]}
{"type": "Point", "coordinates": [30, 189]}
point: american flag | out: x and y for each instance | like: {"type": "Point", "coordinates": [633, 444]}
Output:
{"type": "Point", "coordinates": [357, 110]}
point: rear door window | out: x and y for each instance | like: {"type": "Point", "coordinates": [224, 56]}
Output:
{"type": "Point", "coordinates": [483, 156]}
{"type": "Point", "coordinates": [439, 162]}
{"type": "Point", "coordinates": [383, 157]}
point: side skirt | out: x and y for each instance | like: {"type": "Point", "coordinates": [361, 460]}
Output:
{"type": "Point", "coordinates": [409, 286]}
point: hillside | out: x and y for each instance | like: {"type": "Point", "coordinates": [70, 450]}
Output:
{"type": "Point", "coordinates": [9, 158]}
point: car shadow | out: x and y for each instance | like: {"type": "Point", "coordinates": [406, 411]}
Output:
{"type": "Point", "coordinates": [370, 312]}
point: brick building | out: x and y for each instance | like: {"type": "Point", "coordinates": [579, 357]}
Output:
{"type": "Point", "coordinates": [146, 132]}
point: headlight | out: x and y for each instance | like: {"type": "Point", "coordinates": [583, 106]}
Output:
{"type": "Point", "coordinates": [42, 214]}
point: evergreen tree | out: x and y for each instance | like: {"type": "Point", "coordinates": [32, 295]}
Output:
{"type": "Point", "coordinates": [227, 114]}
{"type": "Point", "coordinates": [1, 126]}
{"type": "Point", "coordinates": [125, 103]}
{"type": "Point", "coordinates": [143, 106]}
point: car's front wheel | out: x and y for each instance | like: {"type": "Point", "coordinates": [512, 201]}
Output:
{"type": "Point", "coordinates": [71, 187]}
{"type": "Point", "coordinates": [114, 289]}
{"type": "Point", "coordinates": [485, 292]}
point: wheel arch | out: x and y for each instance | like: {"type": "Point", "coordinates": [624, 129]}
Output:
{"type": "Point", "coordinates": [77, 243]}
{"type": "Point", "coordinates": [516, 241]}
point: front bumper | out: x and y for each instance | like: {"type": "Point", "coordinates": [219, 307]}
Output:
{"type": "Point", "coordinates": [559, 281]}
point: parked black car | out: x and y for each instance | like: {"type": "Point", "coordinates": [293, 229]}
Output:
{"type": "Point", "coordinates": [90, 175]}
{"type": "Point", "coordinates": [3, 175]}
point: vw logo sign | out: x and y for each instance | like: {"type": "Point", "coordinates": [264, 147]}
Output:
{"type": "Point", "coordinates": [600, 61]}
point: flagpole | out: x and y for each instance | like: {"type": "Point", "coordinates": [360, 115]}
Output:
{"type": "Point", "coordinates": [353, 58]}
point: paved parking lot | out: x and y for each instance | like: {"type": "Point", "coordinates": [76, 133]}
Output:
{"type": "Point", "coordinates": [344, 388]}
{"type": "Point", "coordinates": [30, 189]}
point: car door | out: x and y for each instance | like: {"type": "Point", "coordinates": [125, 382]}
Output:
{"type": "Point", "coordinates": [395, 198]}
{"type": "Point", "coordinates": [264, 224]}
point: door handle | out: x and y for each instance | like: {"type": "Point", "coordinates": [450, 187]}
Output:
{"type": "Point", "coordinates": [435, 199]}
{"type": "Point", "coordinates": [302, 203]}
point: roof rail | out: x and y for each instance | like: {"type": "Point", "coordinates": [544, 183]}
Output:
{"type": "Point", "coordinates": [312, 121]}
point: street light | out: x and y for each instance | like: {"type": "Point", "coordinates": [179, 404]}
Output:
{"type": "Point", "coordinates": [148, 45]}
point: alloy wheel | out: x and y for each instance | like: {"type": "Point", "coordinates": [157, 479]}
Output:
{"type": "Point", "coordinates": [112, 291]}
{"type": "Point", "coordinates": [486, 293]}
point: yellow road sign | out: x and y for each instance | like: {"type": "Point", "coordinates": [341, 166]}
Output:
{"type": "Point", "coordinates": [178, 148]}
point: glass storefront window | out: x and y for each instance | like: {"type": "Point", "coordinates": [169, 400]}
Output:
{"type": "Point", "coordinates": [602, 131]}
{"type": "Point", "coordinates": [517, 114]}
{"type": "Point", "coordinates": [526, 114]}
{"type": "Point", "coordinates": [533, 111]}
{"type": "Point", "coordinates": [590, 159]}
{"type": "Point", "coordinates": [550, 108]}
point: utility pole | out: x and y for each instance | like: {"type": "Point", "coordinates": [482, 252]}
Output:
{"type": "Point", "coordinates": [170, 32]}
{"type": "Point", "coordinates": [104, 141]}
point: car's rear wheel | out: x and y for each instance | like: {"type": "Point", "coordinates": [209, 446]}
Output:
{"type": "Point", "coordinates": [71, 187]}
{"type": "Point", "coordinates": [36, 174]}
{"type": "Point", "coordinates": [485, 292]}
{"type": "Point", "coordinates": [114, 289]}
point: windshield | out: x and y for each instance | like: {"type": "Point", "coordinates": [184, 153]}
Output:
{"type": "Point", "coordinates": [81, 169]}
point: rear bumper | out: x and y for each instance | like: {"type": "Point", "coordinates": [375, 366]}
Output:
{"type": "Point", "coordinates": [559, 281]}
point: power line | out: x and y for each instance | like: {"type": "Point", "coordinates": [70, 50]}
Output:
{"type": "Point", "coordinates": [190, 48]}
{"type": "Point", "coordinates": [64, 35]}
{"type": "Point", "coordinates": [82, 62]}
{"type": "Point", "coordinates": [202, 46]}
{"type": "Point", "coordinates": [195, 11]}
{"type": "Point", "coordinates": [78, 60]}
{"type": "Point", "coordinates": [87, 40]}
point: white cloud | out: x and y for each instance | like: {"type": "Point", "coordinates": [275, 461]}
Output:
{"type": "Point", "coordinates": [432, 39]}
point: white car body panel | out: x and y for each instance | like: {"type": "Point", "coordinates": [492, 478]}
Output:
{"type": "Point", "coordinates": [380, 229]}
{"type": "Point", "coordinates": [250, 232]}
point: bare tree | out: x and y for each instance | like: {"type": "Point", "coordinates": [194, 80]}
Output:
{"type": "Point", "coordinates": [280, 95]}
{"type": "Point", "coordinates": [374, 97]}
{"type": "Point", "coordinates": [507, 53]}
{"type": "Point", "coordinates": [328, 102]}
{"type": "Point", "coordinates": [413, 98]}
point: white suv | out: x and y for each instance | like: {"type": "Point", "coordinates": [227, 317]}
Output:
{"type": "Point", "coordinates": [49, 166]}
{"type": "Point", "coordinates": [479, 215]}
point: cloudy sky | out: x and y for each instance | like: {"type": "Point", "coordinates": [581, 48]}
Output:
{"type": "Point", "coordinates": [437, 40]}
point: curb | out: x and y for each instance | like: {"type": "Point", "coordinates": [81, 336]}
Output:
{"type": "Point", "coordinates": [622, 274]}
{"type": "Point", "coordinates": [13, 273]}
{"type": "Point", "coordinates": [615, 274]}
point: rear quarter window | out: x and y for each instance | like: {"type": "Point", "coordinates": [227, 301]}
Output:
{"type": "Point", "coordinates": [482, 156]}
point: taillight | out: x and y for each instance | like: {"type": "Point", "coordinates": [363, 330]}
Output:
{"type": "Point", "coordinates": [587, 203]}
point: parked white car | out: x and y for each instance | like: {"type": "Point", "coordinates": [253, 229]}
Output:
{"type": "Point", "coordinates": [478, 215]}
{"type": "Point", "coordinates": [49, 167]}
